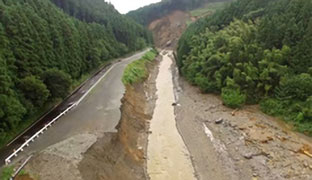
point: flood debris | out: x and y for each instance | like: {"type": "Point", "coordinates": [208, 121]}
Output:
{"type": "Point", "coordinates": [306, 149]}
{"type": "Point", "coordinates": [261, 147]}
{"type": "Point", "coordinates": [219, 121]}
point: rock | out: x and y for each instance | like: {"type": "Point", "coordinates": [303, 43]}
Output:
{"type": "Point", "coordinates": [248, 155]}
{"type": "Point", "coordinates": [168, 43]}
{"type": "Point", "coordinates": [219, 121]}
{"type": "Point", "coordinates": [176, 104]}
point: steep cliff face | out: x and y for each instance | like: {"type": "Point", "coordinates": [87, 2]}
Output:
{"type": "Point", "coordinates": [121, 155]}
{"type": "Point", "coordinates": [133, 125]}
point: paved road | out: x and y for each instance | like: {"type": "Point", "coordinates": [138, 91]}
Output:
{"type": "Point", "coordinates": [97, 113]}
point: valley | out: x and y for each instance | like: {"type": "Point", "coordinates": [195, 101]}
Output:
{"type": "Point", "coordinates": [199, 105]}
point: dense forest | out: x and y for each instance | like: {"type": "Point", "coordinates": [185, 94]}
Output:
{"type": "Point", "coordinates": [44, 50]}
{"type": "Point", "coordinates": [124, 28]}
{"type": "Point", "coordinates": [255, 51]}
{"type": "Point", "coordinates": [151, 12]}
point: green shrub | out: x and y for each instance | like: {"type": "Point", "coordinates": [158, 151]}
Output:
{"type": "Point", "coordinates": [137, 71]}
{"type": "Point", "coordinates": [233, 98]}
{"type": "Point", "coordinates": [7, 172]}
{"type": "Point", "coordinates": [206, 85]}
{"type": "Point", "coordinates": [134, 72]}
{"type": "Point", "coordinates": [272, 106]}
{"type": "Point", "coordinates": [296, 87]}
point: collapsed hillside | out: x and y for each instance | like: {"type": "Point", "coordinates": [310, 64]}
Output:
{"type": "Point", "coordinates": [150, 13]}
{"type": "Point", "coordinates": [168, 29]}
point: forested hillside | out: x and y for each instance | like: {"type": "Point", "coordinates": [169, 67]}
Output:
{"type": "Point", "coordinates": [43, 51]}
{"type": "Point", "coordinates": [124, 28]}
{"type": "Point", "coordinates": [255, 51]}
{"type": "Point", "coordinates": [151, 12]}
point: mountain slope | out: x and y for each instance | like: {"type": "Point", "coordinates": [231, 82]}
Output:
{"type": "Point", "coordinates": [43, 51]}
{"type": "Point", "coordinates": [125, 29]}
{"type": "Point", "coordinates": [155, 11]}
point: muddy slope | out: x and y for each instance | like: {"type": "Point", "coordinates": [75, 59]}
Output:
{"type": "Point", "coordinates": [167, 30]}
{"type": "Point", "coordinates": [121, 155]}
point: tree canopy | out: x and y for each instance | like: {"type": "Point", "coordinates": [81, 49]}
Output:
{"type": "Point", "coordinates": [46, 45]}
{"type": "Point", "coordinates": [255, 51]}
{"type": "Point", "coordinates": [147, 14]}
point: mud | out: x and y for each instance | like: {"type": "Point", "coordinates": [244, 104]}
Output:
{"type": "Point", "coordinates": [167, 155]}
{"type": "Point", "coordinates": [167, 30]}
{"type": "Point", "coordinates": [121, 155]}
{"type": "Point", "coordinates": [239, 144]}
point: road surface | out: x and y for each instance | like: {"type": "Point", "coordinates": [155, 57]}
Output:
{"type": "Point", "coordinates": [97, 113]}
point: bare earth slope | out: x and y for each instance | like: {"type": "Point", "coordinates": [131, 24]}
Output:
{"type": "Point", "coordinates": [168, 29]}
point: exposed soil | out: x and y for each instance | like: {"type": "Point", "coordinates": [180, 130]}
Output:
{"type": "Point", "coordinates": [121, 155]}
{"type": "Point", "coordinates": [23, 177]}
{"type": "Point", "coordinates": [241, 144]}
{"type": "Point", "coordinates": [167, 30]}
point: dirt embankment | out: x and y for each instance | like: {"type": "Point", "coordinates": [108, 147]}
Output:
{"type": "Point", "coordinates": [122, 155]}
{"type": "Point", "coordinates": [167, 30]}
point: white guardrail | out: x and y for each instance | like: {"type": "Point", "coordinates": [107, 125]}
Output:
{"type": "Point", "coordinates": [26, 144]}
{"type": "Point", "coordinates": [8, 160]}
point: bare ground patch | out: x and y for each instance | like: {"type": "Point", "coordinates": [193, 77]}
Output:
{"type": "Point", "coordinates": [241, 144]}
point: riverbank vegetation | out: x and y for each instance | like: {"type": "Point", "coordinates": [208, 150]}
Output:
{"type": "Point", "coordinates": [137, 70]}
{"type": "Point", "coordinates": [44, 50]}
{"type": "Point", "coordinates": [255, 51]}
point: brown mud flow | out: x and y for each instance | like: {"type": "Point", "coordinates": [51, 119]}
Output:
{"type": "Point", "coordinates": [167, 155]}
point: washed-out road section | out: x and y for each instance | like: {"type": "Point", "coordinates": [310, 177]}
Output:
{"type": "Point", "coordinates": [97, 113]}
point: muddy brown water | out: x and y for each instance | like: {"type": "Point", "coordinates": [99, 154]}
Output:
{"type": "Point", "coordinates": [168, 157]}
